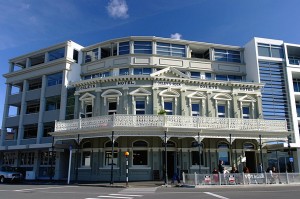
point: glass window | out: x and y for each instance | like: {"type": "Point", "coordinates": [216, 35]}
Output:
{"type": "Point", "coordinates": [56, 54]}
{"type": "Point", "coordinates": [112, 108]}
{"type": "Point", "coordinates": [296, 83]}
{"type": "Point", "coordinates": [195, 158]}
{"type": "Point", "coordinates": [168, 106]}
{"type": "Point", "coordinates": [109, 160]}
{"type": "Point", "coordinates": [227, 55]}
{"type": "Point", "coordinates": [27, 158]}
{"type": "Point", "coordinates": [167, 49]}
{"type": "Point", "coordinates": [248, 146]}
{"type": "Point", "coordinates": [52, 103]}
{"type": "Point", "coordinates": [207, 75]}
{"type": "Point", "coordinates": [124, 71]}
{"type": "Point", "coordinates": [195, 74]}
{"type": "Point", "coordinates": [269, 50]}
{"type": "Point", "coordinates": [246, 112]}
{"type": "Point", "coordinates": [140, 107]}
{"type": "Point", "coordinates": [221, 77]}
{"type": "Point", "coordinates": [140, 144]}
{"type": "Point", "coordinates": [223, 153]}
{"type": "Point", "coordinates": [88, 110]}
{"type": "Point", "coordinates": [75, 55]}
{"type": "Point", "coordinates": [298, 108]}
{"type": "Point", "coordinates": [294, 60]}
{"type": "Point", "coordinates": [91, 55]}
{"type": "Point", "coordinates": [140, 157]}
{"type": "Point", "coordinates": [124, 48]}
{"type": "Point", "coordinates": [33, 107]}
{"type": "Point", "coordinates": [142, 71]}
{"type": "Point", "coordinates": [195, 109]}
{"type": "Point", "coordinates": [221, 110]}
{"type": "Point", "coordinates": [86, 159]}
{"type": "Point", "coordinates": [54, 79]}
{"type": "Point", "coordinates": [142, 47]}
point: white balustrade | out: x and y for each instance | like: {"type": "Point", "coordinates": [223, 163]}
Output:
{"type": "Point", "coordinates": [175, 121]}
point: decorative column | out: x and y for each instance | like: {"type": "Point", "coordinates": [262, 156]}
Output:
{"type": "Point", "coordinates": [259, 107]}
{"type": "Point", "coordinates": [235, 108]}
{"type": "Point", "coordinates": [184, 111]}
{"type": "Point", "coordinates": [209, 108]}
{"type": "Point", "coordinates": [22, 112]}
{"type": "Point", "coordinates": [125, 100]}
{"type": "Point", "coordinates": [42, 109]}
{"type": "Point", "coordinates": [5, 114]}
{"type": "Point", "coordinates": [155, 97]}
{"type": "Point", "coordinates": [97, 102]}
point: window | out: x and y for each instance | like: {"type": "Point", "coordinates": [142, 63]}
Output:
{"type": "Point", "coordinates": [48, 128]}
{"type": "Point", "coordinates": [36, 60]}
{"type": "Point", "coordinates": [86, 154]}
{"type": "Point", "coordinates": [124, 48]}
{"type": "Point", "coordinates": [96, 75]}
{"type": "Point", "coordinates": [30, 131]}
{"type": "Point", "coordinates": [108, 154]}
{"type": "Point", "coordinates": [248, 146]}
{"type": "Point", "coordinates": [140, 107]}
{"type": "Point", "coordinates": [56, 54]}
{"type": "Point", "coordinates": [195, 158]}
{"type": "Point", "coordinates": [9, 159]}
{"type": "Point", "coordinates": [195, 108]}
{"type": "Point", "coordinates": [140, 153]}
{"type": "Point", "coordinates": [70, 103]}
{"type": "Point", "coordinates": [26, 158]}
{"type": "Point", "coordinates": [294, 60]}
{"type": "Point", "coordinates": [296, 83]}
{"type": "Point", "coordinates": [229, 77]}
{"type": "Point", "coordinates": [88, 110]}
{"type": "Point", "coordinates": [246, 112]}
{"type": "Point", "coordinates": [227, 55]}
{"type": "Point", "coordinates": [167, 49]}
{"type": "Point", "coordinates": [195, 74]}
{"type": "Point", "coordinates": [54, 79]}
{"type": "Point", "coordinates": [47, 158]}
{"type": "Point", "coordinates": [52, 103]}
{"type": "Point", "coordinates": [142, 71]}
{"type": "Point", "coordinates": [207, 75]}
{"type": "Point", "coordinates": [142, 47]}
{"type": "Point", "coordinates": [112, 108]}
{"type": "Point", "coordinates": [298, 108]}
{"type": "Point", "coordinates": [75, 55]}
{"type": "Point", "coordinates": [221, 110]}
{"type": "Point", "coordinates": [91, 55]}
{"type": "Point", "coordinates": [223, 153]}
{"type": "Point", "coordinates": [269, 50]}
{"type": "Point", "coordinates": [124, 71]}
{"type": "Point", "coordinates": [168, 106]}
{"type": "Point", "coordinates": [33, 107]}
{"type": "Point", "coordinates": [34, 84]}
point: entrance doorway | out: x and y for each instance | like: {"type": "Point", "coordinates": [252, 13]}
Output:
{"type": "Point", "coordinates": [170, 163]}
{"type": "Point", "coordinates": [250, 161]}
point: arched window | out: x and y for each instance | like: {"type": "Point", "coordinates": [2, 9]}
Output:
{"type": "Point", "coordinates": [248, 146]}
{"type": "Point", "coordinates": [169, 144]}
{"type": "Point", "coordinates": [223, 152]}
{"type": "Point", "coordinates": [222, 103]}
{"type": "Point", "coordinates": [108, 159]}
{"type": "Point", "coordinates": [140, 153]}
{"type": "Point", "coordinates": [86, 154]}
{"type": "Point", "coordinates": [195, 153]}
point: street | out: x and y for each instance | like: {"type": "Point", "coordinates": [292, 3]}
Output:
{"type": "Point", "coordinates": [14, 191]}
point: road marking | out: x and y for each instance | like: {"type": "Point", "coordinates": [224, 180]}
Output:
{"type": "Point", "coordinates": [60, 187]}
{"type": "Point", "coordinates": [114, 197]}
{"type": "Point", "coordinates": [139, 190]}
{"type": "Point", "coordinates": [126, 195]}
{"type": "Point", "coordinates": [215, 195]}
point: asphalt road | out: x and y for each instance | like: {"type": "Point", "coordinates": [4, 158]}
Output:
{"type": "Point", "coordinates": [13, 191]}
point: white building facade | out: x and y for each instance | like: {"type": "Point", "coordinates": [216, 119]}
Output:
{"type": "Point", "coordinates": [174, 105]}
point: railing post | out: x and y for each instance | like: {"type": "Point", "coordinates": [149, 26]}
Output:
{"type": "Point", "coordinates": [195, 178]}
{"type": "Point", "coordinates": [266, 178]}
{"type": "Point", "coordinates": [287, 177]}
{"type": "Point", "coordinates": [55, 126]}
{"type": "Point", "coordinates": [243, 174]}
{"type": "Point", "coordinates": [80, 123]}
{"type": "Point", "coordinates": [220, 178]}
{"type": "Point", "coordinates": [183, 177]}
{"type": "Point", "coordinates": [113, 119]}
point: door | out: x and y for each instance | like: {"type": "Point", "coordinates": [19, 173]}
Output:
{"type": "Point", "coordinates": [250, 161]}
{"type": "Point", "coordinates": [170, 163]}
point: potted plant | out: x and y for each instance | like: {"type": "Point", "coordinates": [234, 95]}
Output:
{"type": "Point", "coordinates": [162, 112]}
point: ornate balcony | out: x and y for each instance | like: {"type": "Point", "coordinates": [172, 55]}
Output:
{"type": "Point", "coordinates": [170, 123]}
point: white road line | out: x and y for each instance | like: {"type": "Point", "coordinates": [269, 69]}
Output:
{"type": "Point", "coordinates": [215, 195]}
{"type": "Point", "coordinates": [114, 197]}
{"type": "Point", "coordinates": [126, 195]}
{"type": "Point", "coordinates": [60, 187]}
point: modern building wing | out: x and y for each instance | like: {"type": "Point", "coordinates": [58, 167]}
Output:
{"type": "Point", "coordinates": [174, 105]}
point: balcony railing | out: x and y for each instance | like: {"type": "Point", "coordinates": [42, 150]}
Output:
{"type": "Point", "coordinates": [171, 121]}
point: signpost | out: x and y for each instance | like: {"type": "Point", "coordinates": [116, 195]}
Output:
{"type": "Point", "coordinates": [70, 162]}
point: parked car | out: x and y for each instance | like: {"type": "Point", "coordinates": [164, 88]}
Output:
{"type": "Point", "coordinates": [9, 174]}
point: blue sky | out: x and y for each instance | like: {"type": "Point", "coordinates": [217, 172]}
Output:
{"type": "Point", "coordinates": [29, 25]}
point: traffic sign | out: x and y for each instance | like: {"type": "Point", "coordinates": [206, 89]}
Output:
{"type": "Point", "coordinates": [291, 159]}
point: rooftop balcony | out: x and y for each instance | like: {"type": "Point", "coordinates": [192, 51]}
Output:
{"type": "Point", "coordinates": [180, 125]}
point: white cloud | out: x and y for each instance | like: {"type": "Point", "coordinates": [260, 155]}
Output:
{"type": "Point", "coordinates": [176, 36]}
{"type": "Point", "coordinates": [117, 9]}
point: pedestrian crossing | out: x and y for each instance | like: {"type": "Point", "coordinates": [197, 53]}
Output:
{"type": "Point", "coordinates": [117, 196]}
{"type": "Point", "coordinates": [129, 193]}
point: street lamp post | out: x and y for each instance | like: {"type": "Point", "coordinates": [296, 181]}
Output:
{"type": "Point", "coordinates": [127, 167]}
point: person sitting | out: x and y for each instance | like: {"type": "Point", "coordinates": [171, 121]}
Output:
{"type": "Point", "coordinates": [234, 170]}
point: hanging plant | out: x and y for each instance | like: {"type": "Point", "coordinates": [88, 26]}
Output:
{"type": "Point", "coordinates": [162, 112]}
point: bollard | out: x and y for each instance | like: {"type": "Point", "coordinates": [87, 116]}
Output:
{"type": "Point", "coordinates": [127, 168]}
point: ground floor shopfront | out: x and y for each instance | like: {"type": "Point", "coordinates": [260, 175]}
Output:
{"type": "Point", "coordinates": [98, 145]}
